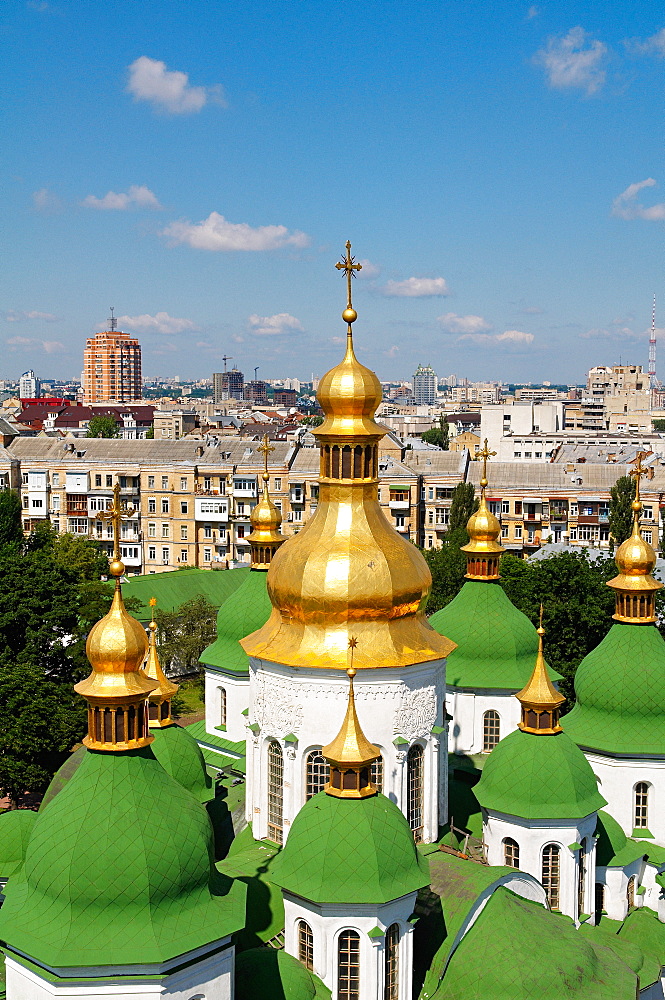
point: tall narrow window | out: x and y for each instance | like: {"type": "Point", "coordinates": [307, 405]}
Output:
{"type": "Point", "coordinates": [550, 877]}
{"type": "Point", "coordinates": [599, 901]}
{"type": "Point", "coordinates": [641, 810]}
{"type": "Point", "coordinates": [348, 966]}
{"type": "Point", "coordinates": [491, 730]}
{"type": "Point", "coordinates": [376, 773]}
{"type": "Point", "coordinates": [414, 763]}
{"type": "Point", "coordinates": [581, 880]}
{"type": "Point", "coordinates": [222, 707]}
{"type": "Point", "coordinates": [391, 980]}
{"type": "Point", "coordinates": [305, 945]}
{"type": "Point", "coordinates": [630, 892]}
{"type": "Point", "coordinates": [318, 773]}
{"type": "Point", "coordinates": [511, 853]}
{"type": "Point", "coordinates": [275, 791]}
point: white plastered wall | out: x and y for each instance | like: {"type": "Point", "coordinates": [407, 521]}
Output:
{"type": "Point", "coordinates": [468, 707]}
{"type": "Point", "coordinates": [617, 779]}
{"type": "Point", "coordinates": [236, 687]}
{"type": "Point", "coordinates": [615, 880]}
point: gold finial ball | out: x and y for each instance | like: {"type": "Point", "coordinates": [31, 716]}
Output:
{"type": "Point", "coordinates": [116, 567]}
{"type": "Point", "coordinates": [351, 671]}
{"type": "Point", "coordinates": [636, 505]}
{"type": "Point", "coordinates": [349, 315]}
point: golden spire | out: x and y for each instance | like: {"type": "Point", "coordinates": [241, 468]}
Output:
{"type": "Point", "coordinates": [266, 519]}
{"type": "Point", "coordinates": [483, 548]}
{"type": "Point", "coordinates": [540, 700]}
{"type": "Point", "coordinates": [348, 572]}
{"type": "Point", "coordinates": [159, 702]}
{"type": "Point", "coordinates": [350, 754]}
{"type": "Point", "coordinates": [117, 688]}
{"type": "Point", "coordinates": [635, 586]}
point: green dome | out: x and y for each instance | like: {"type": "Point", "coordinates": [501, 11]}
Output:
{"type": "Point", "coordinates": [15, 829]}
{"type": "Point", "coordinates": [268, 973]}
{"type": "Point", "coordinates": [350, 851]}
{"type": "Point", "coordinates": [119, 871]}
{"type": "Point", "coordinates": [245, 611]}
{"type": "Point", "coordinates": [539, 777]}
{"type": "Point", "coordinates": [181, 756]}
{"type": "Point", "coordinates": [613, 847]}
{"type": "Point", "coordinates": [620, 692]}
{"type": "Point", "coordinates": [496, 643]}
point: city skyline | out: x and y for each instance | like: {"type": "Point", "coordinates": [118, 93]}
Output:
{"type": "Point", "coordinates": [497, 176]}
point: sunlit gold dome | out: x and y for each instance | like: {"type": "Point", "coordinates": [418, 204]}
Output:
{"type": "Point", "coordinates": [265, 519]}
{"type": "Point", "coordinates": [349, 395]}
{"type": "Point", "coordinates": [116, 647]}
{"type": "Point", "coordinates": [635, 557]}
{"type": "Point", "coordinates": [484, 530]}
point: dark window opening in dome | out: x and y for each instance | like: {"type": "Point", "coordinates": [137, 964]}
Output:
{"type": "Point", "coordinates": [119, 726]}
{"type": "Point", "coordinates": [131, 723]}
{"type": "Point", "coordinates": [550, 874]}
{"type": "Point", "coordinates": [364, 777]}
{"type": "Point", "coordinates": [222, 706]}
{"type": "Point", "coordinates": [335, 462]}
{"type": "Point", "coordinates": [581, 879]}
{"type": "Point", "coordinates": [641, 807]}
{"type": "Point", "coordinates": [108, 725]}
{"type": "Point", "coordinates": [511, 853]}
{"type": "Point", "coordinates": [98, 726]}
{"type": "Point", "coordinates": [368, 462]}
{"type": "Point", "coordinates": [357, 462]}
{"type": "Point", "coordinates": [275, 791]}
{"type": "Point", "coordinates": [325, 461]}
{"type": "Point", "coordinates": [348, 966]}
{"type": "Point", "coordinates": [415, 790]}
{"type": "Point", "coordinates": [391, 979]}
{"type": "Point", "coordinates": [153, 711]}
{"type": "Point", "coordinates": [164, 710]}
{"type": "Point", "coordinates": [336, 777]}
{"type": "Point", "coordinates": [350, 780]}
{"type": "Point", "coordinates": [376, 771]}
{"type": "Point", "coordinates": [142, 726]}
{"type": "Point", "coordinates": [531, 718]}
{"type": "Point", "coordinates": [492, 729]}
{"type": "Point", "coordinates": [346, 461]}
{"type": "Point", "coordinates": [317, 773]}
{"type": "Point", "coordinates": [305, 945]}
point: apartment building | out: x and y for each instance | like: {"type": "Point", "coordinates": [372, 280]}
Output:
{"type": "Point", "coordinates": [439, 472]}
{"type": "Point", "coordinates": [111, 368]}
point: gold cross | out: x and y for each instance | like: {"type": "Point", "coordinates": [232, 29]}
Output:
{"type": "Point", "coordinates": [638, 472]}
{"type": "Point", "coordinates": [484, 454]}
{"type": "Point", "coordinates": [349, 266]}
{"type": "Point", "coordinates": [116, 512]}
{"type": "Point", "coordinates": [265, 448]}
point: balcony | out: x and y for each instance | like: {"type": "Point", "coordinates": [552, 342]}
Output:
{"type": "Point", "coordinates": [77, 507]}
{"type": "Point", "coordinates": [399, 504]}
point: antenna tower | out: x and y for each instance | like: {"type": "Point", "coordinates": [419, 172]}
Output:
{"type": "Point", "coordinates": [113, 322]}
{"type": "Point", "coordinates": [653, 381]}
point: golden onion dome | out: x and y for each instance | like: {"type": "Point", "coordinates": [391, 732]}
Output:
{"type": "Point", "coordinates": [116, 648]}
{"type": "Point", "coordinates": [635, 558]}
{"type": "Point", "coordinates": [266, 518]}
{"type": "Point", "coordinates": [349, 395]}
{"type": "Point", "coordinates": [165, 689]}
{"type": "Point", "coordinates": [483, 529]}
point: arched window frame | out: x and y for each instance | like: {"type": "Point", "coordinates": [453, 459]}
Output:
{"type": "Point", "coordinates": [416, 790]}
{"type": "Point", "coordinates": [348, 986]}
{"type": "Point", "coordinates": [631, 889]}
{"type": "Point", "coordinates": [641, 805]}
{"type": "Point", "coordinates": [391, 981]}
{"type": "Point", "coordinates": [222, 707]}
{"type": "Point", "coordinates": [315, 783]}
{"type": "Point", "coordinates": [491, 729]}
{"type": "Point", "coordinates": [305, 941]}
{"type": "Point", "coordinates": [275, 795]}
{"type": "Point", "coordinates": [511, 852]}
{"type": "Point", "coordinates": [550, 874]}
{"type": "Point", "coordinates": [581, 877]}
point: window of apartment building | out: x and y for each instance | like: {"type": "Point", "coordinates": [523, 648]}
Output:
{"type": "Point", "coordinates": [165, 482]}
{"type": "Point", "coordinates": [25, 502]}
{"type": "Point", "coordinates": [183, 506]}
{"type": "Point", "coordinates": [530, 536]}
{"type": "Point", "coordinates": [297, 514]}
{"type": "Point", "coordinates": [518, 531]}
{"type": "Point", "coordinates": [505, 506]}
{"type": "Point", "coordinates": [183, 483]}
{"type": "Point", "coordinates": [573, 534]}
{"type": "Point", "coordinates": [183, 555]}
{"type": "Point", "coordinates": [527, 454]}
{"type": "Point", "coordinates": [207, 482]}
{"type": "Point", "coordinates": [430, 517]}
{"type": "Point", "coordinates": [165, 505]}
{"type": "Point", "coordinates": [55, 501]}
{"type": "Point", "coordinates": [165, 529]}
{"type": "Point", "coordinates": [56, 478]}
{"type": "Point", "coordinates": [430, 493]}
{"type": "Point", "coordinates": [152, 505]}
{"type": "Point", "coordinates": [399, 520]}
{"type": "Point", "coordinates": [165, 555]}
{"type": "Point", "coordinates": [207, 555]}
{"type": "Point", "coordinates": [24, 478]}
{"type": "Point", "coordinates": [152, 529]}
{"type": "Point", "coordinates": [647, 535]}
{"type": "Point", "coordinates": [647, 513]}
{"type": "Point", "coordinates": [518, 506]}
{"type": "Point", "coordinates": [37, 503]}
{"type": "Point", "coordinates": [240, 531]}
{"type": "Point", "coordinates": [504, 530]}
{"type": "Point", "coordinates": [207, 531]}
{"type": "Point", "coordinates": [573, 509]}
{"type": "Point", "coordinates": [517, 454]}
{"type": "Point", "coordinates": [152, 552]}
{"type": "Point", "coordinates": [538, 454]}
{"type": "Point", "coordinates": [109, 482]}
{"type": "Point", "coordinates": [56, 525]}
{"type": "Point", "coordinates": [151, 482]}
{"type": "Point", "coordinates": [278, 483]}
{"type": "Point", "coordinates": [98, 479]}
{"type": "Point", "coordinates": [183, 532]}
{"type": "Point", "coordinates": [78, 525]}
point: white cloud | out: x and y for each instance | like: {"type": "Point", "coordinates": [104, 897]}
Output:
{"type": "Point", "coordinates": [168, 90]}
{"type": "Point", "coordinates": [138, 196]}
{"type": "Point", "coordinates": [368, 270]}
{"type": "Point", "coordinates": [453, 323]}
{"type": "Point", "coordinates": [614, 332]}
{"type": "Point", "coordinates": [416, 287]}
{"type": "Point", "coordinates": [654, 45]}
{"type": "Point", "coordinates": [21, 315]}
{"type": "Point", "coordinates": [392, 351]}
{"type": "Point", "coordinates": [47, 346]}
{"type": "Point", "coordinates": [532, 12]}
{"type": "Point", "coordinates": [270, 326]}
{"type": "Point", "coordinates": [573, 60]}
{"type": "Point", "coordinates": [46, 201]}
{"type": "Point", "coordinates": [507, 338]}
{"type": "Point", "coordinates": [217, 233]}
{"type": "Point", "coordinates": [161, 322]}
{"type": "Point", "coordinates": [626, 206]}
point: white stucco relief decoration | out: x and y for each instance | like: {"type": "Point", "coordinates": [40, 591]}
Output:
{"type": "Point", "coordinates": [416, 714]}
{"type": "Point", "coordinates": [275, 706]}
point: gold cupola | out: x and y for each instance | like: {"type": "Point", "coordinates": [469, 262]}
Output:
{"type": "Point", "coordinates": [117, 688]}
{"type": "Point", "coordinates": [635, 586]}
{"type": "Point", "coordinates": [483, 548]}
{"type": "Point", "coordinates": [350, 754]}
{"type": "Point", "coordinates": [541, 702]}
{"type": "Point", "coordinates": [159, 702]}
{"type": "Point", "coordinates": [266, 520]}
{"type": "Point", "coordinates": [348, 571]}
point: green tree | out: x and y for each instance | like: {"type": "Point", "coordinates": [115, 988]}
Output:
{"type": "Point", "coordinates": [11, 527]}
{"type": "Point", "coordinates": [447, 564]}
{"type": "Point", "coordinates": [439, 436]}
{"type": "Point", "coordinates": [462, 505]}
{"type": "Point", "coordinates": [622, 495]}
{"type": "Point", "coordinates": [150, 434]}
{"type": "Point", "coordinates": [102, 427]}
{"type": "Point", "coordinates": [314, 420]}
{"type": "Point", "coordinates": [658, 426]}
{"type": "Point", "coordinates": [183, 634]}
{"type": "Point", "coordinates": [84, 556]}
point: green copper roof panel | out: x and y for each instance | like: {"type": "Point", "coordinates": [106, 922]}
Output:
{"type": "Point", "coordinates": [246, 610]}
{"type": "Point", "coordinates": [614, 849]}
{"type": "Point", "coordinates": [173, 589]}
{"type": "Point", "coordinates": [350, 851]}
{"type": "Point", "coordinates": [539, 777]}
{"type": "Point", "coordinates": [496, 643]}
{"type": "Point", "coordinates": [268, 974]}
{"type": "Point", "coordinates": [620, 691]}
{"type": "Point", "coordinates": [180, 755]}
{"type": "Point", "coordinates": [119, 870]}
{"type": "Point", "coordinates": [15, 829]}
{"type": "Point", "coordinates": [643, 928]}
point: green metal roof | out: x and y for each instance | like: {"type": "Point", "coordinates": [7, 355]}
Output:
{"type": "Point", "coordinates": [245, 611]}
{"type": "Point", "coordinates": [620, 692]}
{"type": "Point", "coordinates": [613, 848]}
{"type": "Point", "coordinates": [173, 589]}
{"type": "Point", "coordinates": [15, 829]}
{"type": "Point", "coordinates": [350, 851]}
{"type": "Point", "coordinates": [539, 777]}
{"type": "Point", "coordinates": [643, 928]}
{"type": "Point", "coordinates": [180, 755]}
{"type": "Point", "coordinates": [119, 870]}
{"type": "Point", "coordinates": [496, 643]}
{"type": "Point", "coordinates": [268, 974]}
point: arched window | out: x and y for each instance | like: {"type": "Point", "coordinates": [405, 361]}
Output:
{"type": "Point", "coordinates": [550, 877]}
{"type": "Point", "coordinates": [391, 978]}
{"type": "Point", "coordinates": [491, 730]}
{"type": "Point", "coordinates": [376, 773]}
{"type": "Point", "coordinates": [415, 789]}
{"type": "Point", "coordinates": [305, 945]}
{"type": "Point", "coordinates": [581, 879]}
{"type": "Point", "coordinates": [222, 707]}
{"type": "Point", "coordinates": [511, 853]}
{"type": "Point", "coordinates": [275, 791]}
{"type": "Point", "coordinates": [641, 810]}
{"type": "Point", "coordinates": [348, 966]}
{"type": "Point", "coordinates": [630, 891]}
{"type": "Point", "coordinates": [317, 773]}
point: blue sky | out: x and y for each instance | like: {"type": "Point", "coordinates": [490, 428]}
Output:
{"type": "Point", "coordinates": [499, 168]}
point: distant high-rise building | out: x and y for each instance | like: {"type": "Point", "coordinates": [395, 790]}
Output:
{"type": "Point", "coordinates": [227, 385]}
{"type": "Point", "coordinates": [424, 385]}
{"type": "Point", "coordinates": [111, 367]}
{"type": "Point", "coordinates": [29, 386]}
{"type": "Point", "coordinates": [256, 392]}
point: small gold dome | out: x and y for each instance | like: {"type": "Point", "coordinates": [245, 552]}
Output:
{"type": "Point", "coordinates": [116, 647]}
{"type": "Point", "coordinates": [265, 518]}
{"type": "Point", "coordinates": [484, 530]}
{"type": "Point", "coordinates": [635, 557]}
{"type": "Point", "coordinates": [349, 395]}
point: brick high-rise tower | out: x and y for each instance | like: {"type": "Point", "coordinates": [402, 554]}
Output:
{"type": "Point", "coordinates": [112, 367]}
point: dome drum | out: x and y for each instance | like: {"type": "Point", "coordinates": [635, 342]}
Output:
{"type": "Point", "coordinates": [341, 460]}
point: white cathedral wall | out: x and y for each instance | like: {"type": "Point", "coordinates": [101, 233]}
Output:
{"type": "Point", "coordinates": [532, 836]}
{"type": "Point", "coordinates": [310, 704]}
{"type": "Point", "coordinates": [465, 734]}
{"type": "Point", "coordinates": [236, 687]}
{"type": "Point", "coordinates": [327, 922]}
{"type": "Point", "coordinates": [617, 779]}
{"type": "Point", "coordinates": [615, 880]}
